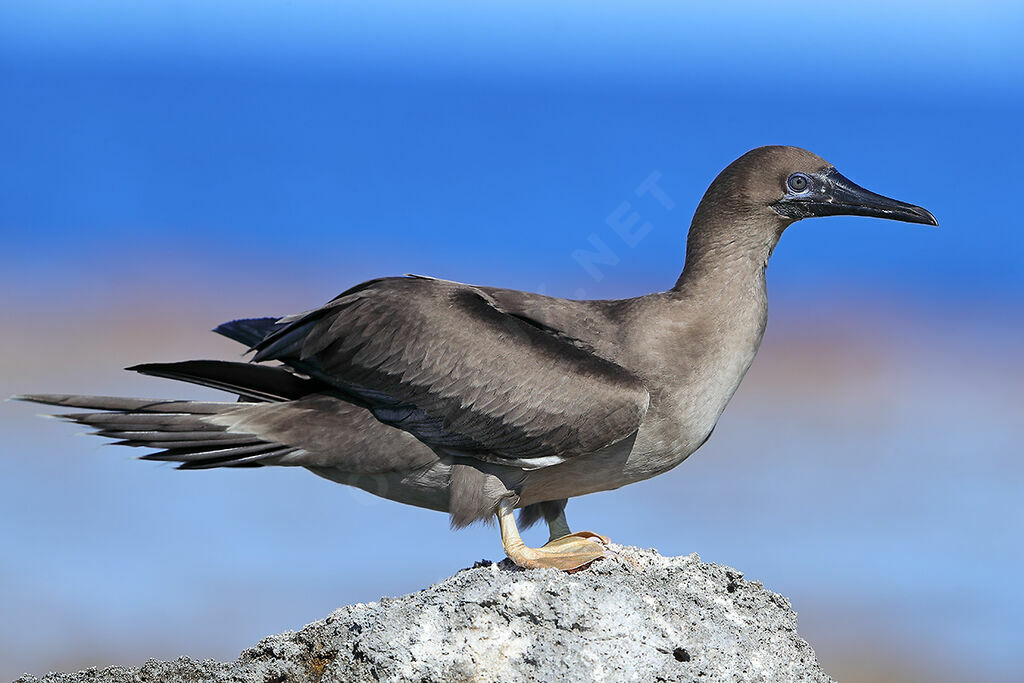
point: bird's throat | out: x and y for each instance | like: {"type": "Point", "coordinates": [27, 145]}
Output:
{"type": "Point", "coordinates": [727, 254]}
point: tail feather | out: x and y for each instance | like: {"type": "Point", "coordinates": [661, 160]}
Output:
{"type": "Point", "coordinates": [132, 405]}
{"type": "Point", "coordinates": [252, 460]}
{"type": "Point", "coordinates": [203, 453]}
{"type": "Point", "coordinates": [248, 331]}
{"type": "Point", "coordinates": [126, 422]}
{"type": "Point", "coordinates": [161, 436]}
{"type": "Point", "coordinates": [252, 382]}
{"type": "Point", "coordinates": [160, 441]}
{"type": "Point", "coordinates": [179, 429]}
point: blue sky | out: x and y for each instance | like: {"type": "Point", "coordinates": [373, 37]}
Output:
{"type": "Point", "coordinates": [209, 127]}
{"type": "Point", "coordinates": [970, 43]}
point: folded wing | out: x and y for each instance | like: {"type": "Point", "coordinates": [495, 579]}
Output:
{"type": "Point", "coordinates": [444, 362]}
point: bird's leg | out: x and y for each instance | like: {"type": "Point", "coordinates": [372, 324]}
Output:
{"type": "Point", "coordinates": [558, 527]}
{"type": "Point", "coordinates": [568, 551]}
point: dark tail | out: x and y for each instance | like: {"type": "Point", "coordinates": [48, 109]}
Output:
{"type": "Point", "coordinates": [249, 331]}
{"type": "Point", "coordinates": [251, 382]}
{"type": "Point", "coordinates": [185, 431]}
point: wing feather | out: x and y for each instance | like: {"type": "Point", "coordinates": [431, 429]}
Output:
{"type": "Point", "coordinates": [444, 362]}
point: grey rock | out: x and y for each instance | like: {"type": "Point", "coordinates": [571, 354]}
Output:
{"type": "Point", "coordinates": [633, 616]}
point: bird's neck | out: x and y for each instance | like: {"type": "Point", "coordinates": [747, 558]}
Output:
{"type": "Point", "coordinates": [720, 312]}
{"type": "Point", "coordinates": [726, 261]}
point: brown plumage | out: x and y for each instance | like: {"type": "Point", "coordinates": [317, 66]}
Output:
{"type": "Point", "coordinates": [455, 397]}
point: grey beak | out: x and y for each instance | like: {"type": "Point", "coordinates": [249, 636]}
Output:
{"type": "Point", "coordinates": [830, 193]}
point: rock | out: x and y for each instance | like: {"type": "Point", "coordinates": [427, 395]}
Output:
{"type": "Point", "coordinates": [634, 616]}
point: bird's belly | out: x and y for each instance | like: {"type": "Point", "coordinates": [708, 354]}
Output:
{"type": "Point", "coordinates": [424, 487]}
{"type": "Point", "coordinates": [675, 426]}
{"type": "Point", "coordinates": [653, 450]}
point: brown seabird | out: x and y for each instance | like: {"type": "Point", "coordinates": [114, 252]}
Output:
{"type": "Point", "coordinates": [477, 401]}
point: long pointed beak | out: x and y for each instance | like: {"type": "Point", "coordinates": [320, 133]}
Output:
{"type": "Point", "coordinates": [830, 193]}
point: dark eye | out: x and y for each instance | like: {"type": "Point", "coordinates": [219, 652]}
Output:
{"type": "Point", "coordinates": [797, 182]}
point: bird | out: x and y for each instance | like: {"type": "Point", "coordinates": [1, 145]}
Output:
{"type": "Point", "coordinates": [480, 401]}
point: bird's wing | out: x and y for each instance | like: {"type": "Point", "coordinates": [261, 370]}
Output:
{"type": "Point", "coordinates": [442, 361]}
{"type": "Point", "coordinates": [581, 323]}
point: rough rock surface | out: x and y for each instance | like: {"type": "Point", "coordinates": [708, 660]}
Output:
{"type": "Point", "coordinates": [634, 616]}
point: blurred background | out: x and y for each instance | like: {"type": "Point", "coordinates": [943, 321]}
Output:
{"type": "Point", "coordinates": [167, 166]}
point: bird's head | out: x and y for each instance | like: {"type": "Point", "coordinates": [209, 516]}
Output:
{"type": "Point", "coordinates": [811, 187]}
{"type": "Point", "coordinates": [759, 195]}
{"type": "Point", "coordinates": [789, 183]}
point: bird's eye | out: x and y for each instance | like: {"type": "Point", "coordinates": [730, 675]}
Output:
{"type": "Point", "coordinates": [797, 182]}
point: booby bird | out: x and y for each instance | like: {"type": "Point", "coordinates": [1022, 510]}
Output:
{"type": "Point", "coordinates": [478, 401]}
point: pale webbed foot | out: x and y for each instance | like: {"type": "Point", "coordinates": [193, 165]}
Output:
{"type": "Point", "coordinates": [597, 538]}
{"type": "Point", "coordinates": [568, 552]}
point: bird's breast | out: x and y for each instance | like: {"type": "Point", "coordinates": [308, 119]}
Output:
{"type": "Point", "coordinates": [698, 377]}
{"type": "Point", "coordinates": [679, 420]}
